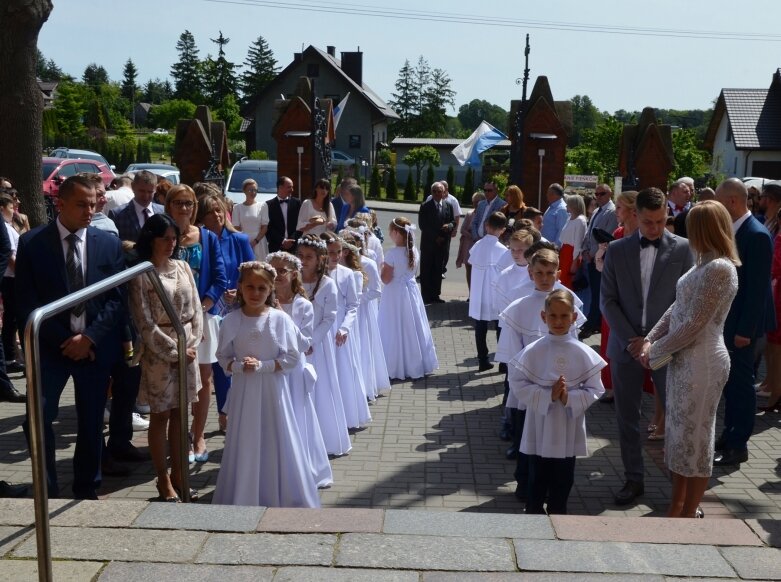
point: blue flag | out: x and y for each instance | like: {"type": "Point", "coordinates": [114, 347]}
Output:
{"type": "Point", "coordinates": [483, 138]}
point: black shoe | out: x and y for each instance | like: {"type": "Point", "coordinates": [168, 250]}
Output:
{"type": "Point", "coordinates": [721, 444]}
{"type": "Point", "coordinates": [511, 453]}
{"type": "Point", "coordinates": [520, 491]}
{"type": "Point", "coordinates": [112, 468]}
{"type": "Point", "coordinates": [629, 492]}
{"type": "Point", "coordinates": [130, 454]}
{"type": "Point", "coordinates": [585, 333]}
{"type": "Point", "coordinates": [506, 433]}
{"type": "Point", "coordinates": [89, 494]}
{"type": "Point", "coordinates": [502, 368]}
{"type": "Point", "coordinates": [484, 366]}
{"type": "Point", "coordinates": [11, 394]}
{"type": "Point", "coordinates": [729, 457]}
{"type": "Point", "coordinates": [15, 491]}
{"type": "Point", "coordinates": [14, 367]}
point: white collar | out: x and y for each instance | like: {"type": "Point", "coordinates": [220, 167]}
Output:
{"type": "Point", "coordinates": [64, 232]}
{"type": "Point", "coordinates": [739, 222]}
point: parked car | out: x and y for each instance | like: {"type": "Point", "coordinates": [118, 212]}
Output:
{"type": "Point", "coordinates": [160, 131]}
{"type": "Point", "coordinates": [82, 154]}
{"type": "Point", "coordinates": [55, 170]}
{"type": "Point", "coordinates": [339, 158]}
{"type": "Point", "coordinates": [170, 173]}
{"type": "Point", "coordinates": [264, 172]}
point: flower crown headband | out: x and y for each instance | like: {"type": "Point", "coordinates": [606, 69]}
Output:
{"type": "Point", "coordinates": [317, 244]}
{"type": "Point", "coordinates": [408, 228]}
{"type": "Point", "coordinates": [351, 247]}
{"type": "Point", "coordinates": [286, 258]}
{"type": "Point", "coordinates": [253, 265]}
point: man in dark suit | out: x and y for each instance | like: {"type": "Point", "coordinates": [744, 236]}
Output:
{"type": "Point", "coordinates": [338, 201]}
{"type": "Point", "coordinates": [637, 286]}
{"type": "Point", "coordinates": [282, 218]}
{"type": "Point", "coordinates": [752, 315]}
{"type": "Point", "coordinates": [131, 217]}
{"type": "Point", "coordinates": [436, 222]}
{"type": "Point", "coordinates": [83, 342]}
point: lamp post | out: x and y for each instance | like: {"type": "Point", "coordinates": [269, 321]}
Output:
{"type": "Point", "coordinates": [541, 153]}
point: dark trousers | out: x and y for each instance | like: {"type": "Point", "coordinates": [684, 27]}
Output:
{"type": "Point", "coordinates": [740, 398]}
{"type": "Point", "coordinates": [124, 392]}
{"type": "Point", "coordinates": [222, 384]}
{"type": "Point", "coordinates": [481, 338]}
{"type": "Point", "coordinates": [521, 473]}
{"type": "Point", "coordinates": [594, 320]}
{"type": "Point", "coordinates": [9, 318]}
{"type": "Point", "coordinates": [432, 257]}
{"type": "Point", "coordinates": [549, 480]}
{"type": "Point", "coordinates": [90, 380]}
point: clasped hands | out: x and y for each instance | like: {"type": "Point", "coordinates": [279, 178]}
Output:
{"type": "Point", "coordinates": [559, 391]}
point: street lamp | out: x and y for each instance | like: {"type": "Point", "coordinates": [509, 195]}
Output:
{"type": "Point", "coordinates": [541, 153]}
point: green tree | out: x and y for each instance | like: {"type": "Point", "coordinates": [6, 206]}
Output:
{"type": "Point", "coordinates": [404, 102]}
{"type": "Point", "coordinates": [584, 116]}
{"type": "Point", "coordinates": [437, 96]}
{"type": "Point", "coordinates": [471, 114]}
{"type": "Point", "coordinates": [167, 114]}
{"type": "Point", "coordinates": [598, 150]}
{"type": "Point", "coordinates": [391, 186]}
{"type": "Point", "coordinates": [410, 192]}
{"type": "Point", "coordinates": [186, 72]}
{"type": "Point", "coordinates": [230, 114]}
{"type": "Point", "coordinates": [95, 76]}
{"type": "Point", "coordinates": [421, 157]}
{"type": "Point", "coordinates": [469, 186]}
{"type": "Point", "coordinates": [260, 69]}
{"type": "Point", "coordinates": [374, 183]}
{"type": "Point", "coordinates": [219, 74]}
{"type": "Point", "coordinates": [690, 158]}
{"type": "Point", "coordinates": [451, 180]}
{"type": "Point", "coordinates": [70, 107]}
{"type": "Point", "coordinates": [422, 76]}
{"type": "Point", "coordinates": [129, 77]}
{"type": "Point", "coordinates": [47, 70]}
{"type": "Point", "coordinates": [157, 91]}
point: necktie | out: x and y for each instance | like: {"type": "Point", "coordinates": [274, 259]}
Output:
{"type": "Point", "coordinates": [679, 208]}
{"type": "Point", "coordinates": [644, 242]}
{"type": "Point", "coordinates": [147, 214]}
{"type": "Point", "coordinates": [73, 268]}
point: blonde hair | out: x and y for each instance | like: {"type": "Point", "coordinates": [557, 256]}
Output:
{"type": "Point", "coordinates": [561, 295]}
{"type": "Point", "coordinates": [312, 241]}
{"type": "Point", "coordinates": [513, 195]}
{"type": "Point", "coordinates": [709, 228]}
{"type": "Point", "coordinates": [353, 258]}
{"type": "Point", "coordinates": [544, 257]}
{"type": "Point", "coordinates": [262, 270]}
{"type": "Point", "coordinates": [405, 228]}
{"type": "Point", "coordinates": [628, 198]}
{"type": "Point", "coordinates": [296, 283]}
{"type": "Point", "coordinates": [523, 236]}
{"type": "Point", "coordinates": [174, 192]}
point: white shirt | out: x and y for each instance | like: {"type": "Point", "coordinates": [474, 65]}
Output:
{"type": "Point", "coordinates": [283, 208]}
{"type": "Point", "coordinates": [739, 222]}
{"type": "Point", "coordinates": [647, 260]}
{"type": "Point", "coordinates": [13, 238]}
{"type": "Point", "coordinates": [142, 218]}
{"type": "Point", "coordinates": [78, 324]}
{"type": "Point", "coordinates": [117, 198]}
{"type": "Point", "coordinates": [453, 201]}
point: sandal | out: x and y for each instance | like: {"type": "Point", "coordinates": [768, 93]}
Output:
{"type": "Point", "coordinates": [194, 495]}
{"type": "Point", "coordinates": [166, 498]}
{"type": "Point", "coordinates": [654, 436]}
{"type": "Point", "coordinates": [651, 428]}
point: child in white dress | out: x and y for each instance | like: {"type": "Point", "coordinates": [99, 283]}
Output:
{"type": "Point", "coordinates": [483, 257]}
{"type": "Point", "coordinates": [292, 299]}
{"type": "Point", "coordinates": [321, 291]}
{"type": "Point", "coordinates": [406, 334]}
{"type": "Point", "coordinates": [557, 380]}
{"type": "Point", "coordinates": [264, 461]}
{"type": "Point", "coordinates": [346, 338]}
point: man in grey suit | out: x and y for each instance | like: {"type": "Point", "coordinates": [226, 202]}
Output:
{"type": "Point", "coordinates": [492, 203]}
{"type": "Point", "coordinates": [638, 285]}
{"type": "Point", "coordinates": [604, 218]}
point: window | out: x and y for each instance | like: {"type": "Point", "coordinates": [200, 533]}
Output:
{"type": "Point", "coordinates": [355, 142]}
{"type": "Point", "coordinates": [68, 170]}
{"type": "Point", "coordinates": [91, 168]}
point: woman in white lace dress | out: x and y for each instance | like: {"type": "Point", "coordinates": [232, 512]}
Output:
{"type": "Point", "coordinates": [691, 331]}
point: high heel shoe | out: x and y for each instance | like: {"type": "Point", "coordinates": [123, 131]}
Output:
{"type": "Point", "coordinates": [166, 498]}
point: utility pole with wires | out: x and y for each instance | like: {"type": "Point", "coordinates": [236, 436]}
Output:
{"type": "Point", "coordinates": [516, 131]}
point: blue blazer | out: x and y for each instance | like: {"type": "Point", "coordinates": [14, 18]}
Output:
{"type": "Point", "coordinates": [752, 313]}
{"type": "Point", "coordinates": [485, 209]}
{"type": "Point", "coordinates": [212, 280]}
{"type": "Point", "coordinates": [344, 214]}
{"type": "Point", "coordinates": [236, 249]}
{"type": "Point", "coordinates": [126, 219]}
{"type": "Point", "coordinates": [41, 279]}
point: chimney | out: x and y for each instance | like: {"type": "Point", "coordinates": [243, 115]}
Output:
{"type": "Point", "coordinates": [331, 51]}
{"type": "Point", "coordinates": [297, 57]}
{"type": "Point", "coordinates": [352, 65]}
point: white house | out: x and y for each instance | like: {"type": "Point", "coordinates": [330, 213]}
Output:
{"type": "Point", "coordinates": [744, 135]}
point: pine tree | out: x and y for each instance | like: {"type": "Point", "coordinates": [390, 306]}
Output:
{"type": "Point", "coordinates": [403, 102]}
{"type": "Point", "coordinates": [95, 75]}
{"type": "Point", "coordinates": [451, 181]}
{"type": "Point", "coordinates": [374, 184]}
{"type": "Point", "coordinates": [410, 192]}
{"type": "Point", "coordinates": [186, 72]}
{"type": "Point", "coordinates": [260, 69]}
{"type": "Point", "coordinates": [422, 82]}
{"type": "Point", "coordinates": [219, 75]}
{"type": "Point", "coordinates": [436, 97]}
{"type": "Point", "coordinates": [392, 187]}
{"type": "Point", "coordinates": [429, 180]}
{"type": "Point", "coordinates": [129, 76]}
{"type": "Point", "coordinates": [469, 187]}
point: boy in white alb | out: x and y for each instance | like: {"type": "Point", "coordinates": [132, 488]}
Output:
{"type": "Point", "coordinates": [557, 379]}
{"type": "Point", "coordinates": [521, 326]}
{"type": "Point", "coordinates": [483, 257]}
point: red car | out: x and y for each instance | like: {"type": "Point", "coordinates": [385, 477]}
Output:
{"type": "Point", "coordinates": [55, 170]}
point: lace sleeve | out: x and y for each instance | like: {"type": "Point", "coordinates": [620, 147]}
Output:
{"type": "Point", "coordinates": [661, 328]}
{"type": "Point", "coordinates": [714, 289]}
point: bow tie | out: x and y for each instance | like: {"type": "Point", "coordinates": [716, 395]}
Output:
{"type": "Point", "coordinates": [283, 200]}
{"type": "Point", "coordinates": [679, 208]}
{"type": "Point", "coordinates": [644, 242]}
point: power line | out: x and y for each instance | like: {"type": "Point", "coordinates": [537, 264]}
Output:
{"type": "Point", "coordinates": [349, 9]}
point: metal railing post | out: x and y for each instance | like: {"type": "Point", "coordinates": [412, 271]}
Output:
{"type": "Point", "coordinates": [35, 397]}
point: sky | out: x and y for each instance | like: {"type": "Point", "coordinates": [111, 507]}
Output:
{"type": "Point", "coordinates": [670, 54]}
